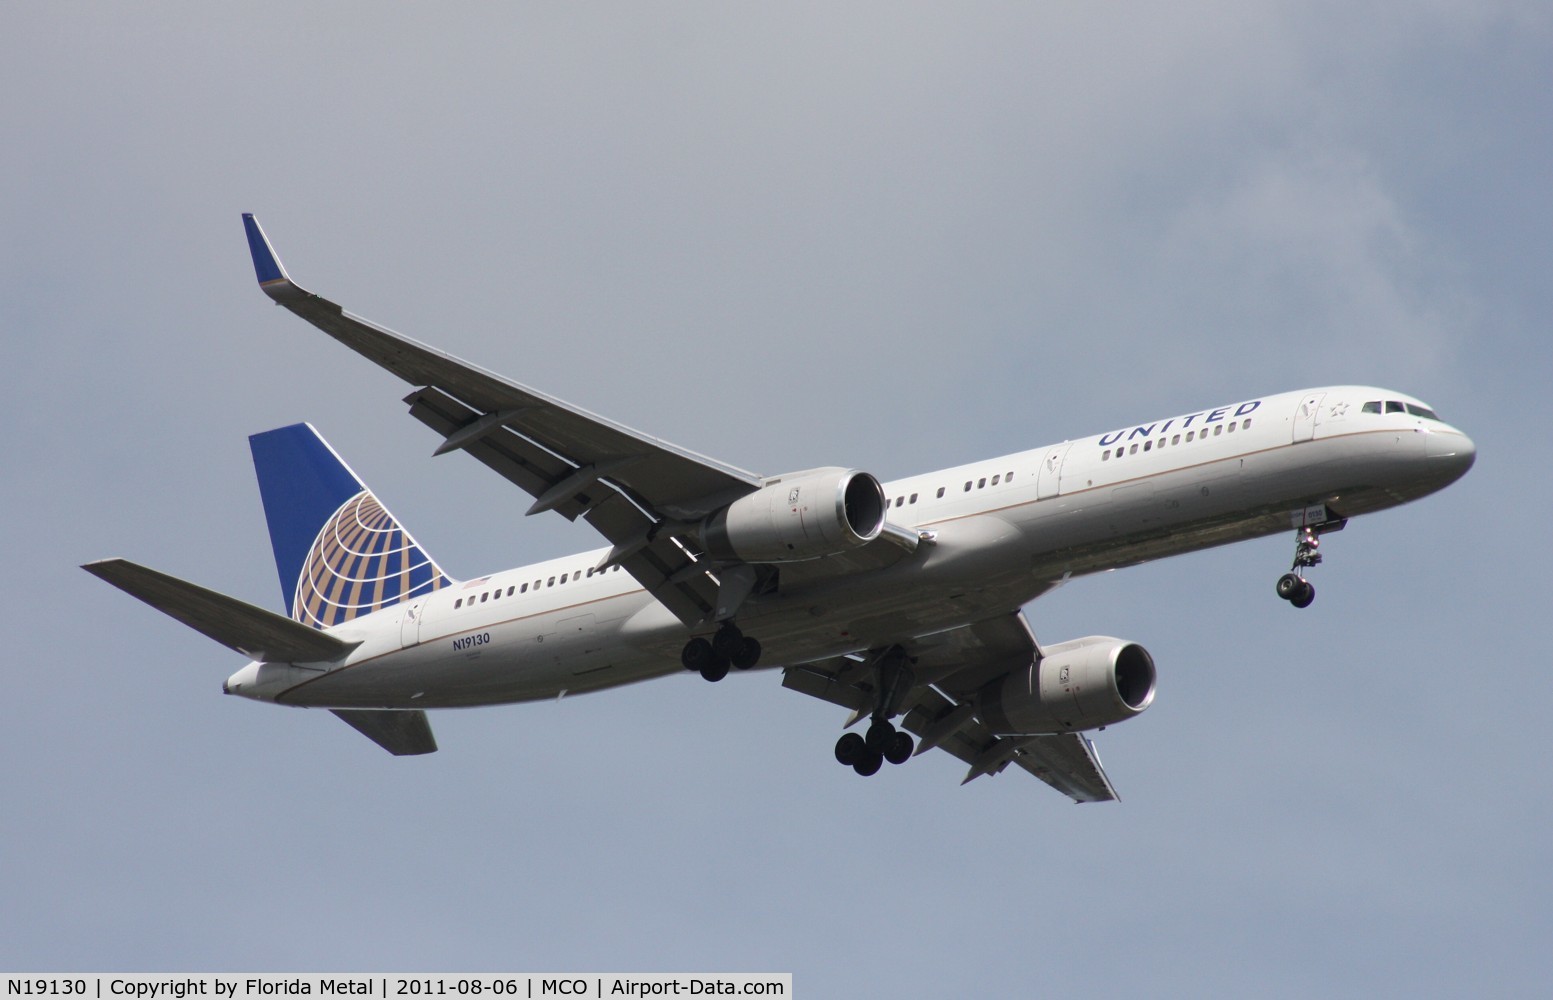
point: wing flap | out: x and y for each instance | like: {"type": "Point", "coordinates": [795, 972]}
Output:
{"type": "Point", "coordinates": [1066, 761]}
{"type": "Point", "coordinates": [253, 631]}
{"type": "Point", "coordinates": [948, 667]}
{"type": "Point", "coordinates": [646, 547]}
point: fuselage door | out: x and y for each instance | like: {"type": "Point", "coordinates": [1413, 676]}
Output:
{"type": "Point", "coordinates": [1048, 479]}
{"type": "Point", "coordinates": [410, 624]}
{"type": "Point", "coordinates": [1306, 415]}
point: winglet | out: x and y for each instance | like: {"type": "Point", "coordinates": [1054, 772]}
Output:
{"type": "Point", "coordinates": [265, 264]}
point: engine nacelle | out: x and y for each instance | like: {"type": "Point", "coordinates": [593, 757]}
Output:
{"type": "Point", "coordinates": [805, 515]}
{"type": "Point", "coordinates": [1077, 685]}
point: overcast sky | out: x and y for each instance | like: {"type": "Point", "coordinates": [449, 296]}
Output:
{"type": "Point", "coordinates": [892, 236]}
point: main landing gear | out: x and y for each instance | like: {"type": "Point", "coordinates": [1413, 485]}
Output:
{"type": "Point", "coordinates": [1292, 586]}
{"type": "Point", "coordinates": [866, 753]}
{"type": "Point", "coordinates": [728, 647]}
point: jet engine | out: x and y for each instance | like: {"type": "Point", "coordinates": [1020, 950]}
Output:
{"type": "Point", "coordinates": [1076, 685]}
{"type": "Point", "coordinates": [805, 515]}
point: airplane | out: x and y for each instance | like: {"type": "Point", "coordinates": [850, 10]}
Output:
{"type": "Point", "coordinates": [900, 602]}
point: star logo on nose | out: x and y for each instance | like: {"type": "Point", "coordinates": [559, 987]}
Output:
{"type": "Point", "coordinates": [1340, 410]}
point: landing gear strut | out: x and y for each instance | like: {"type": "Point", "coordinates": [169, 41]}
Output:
{"type": "Point", "coordinates": [1292, 586]}
{"type": "Point", "coordinates": [728, 647]}
{"type": "Point", "coordinates": [866, 753]}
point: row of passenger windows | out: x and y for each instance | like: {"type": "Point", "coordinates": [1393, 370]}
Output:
{"type": "Point", "coordinates": [1397, 406]}
{"type": "Point", "coordinates": [1176, 439]}
{"type": "Point", "coordinates": [970, 484]}
{"type": "Point", "coordinates": [496, 595]}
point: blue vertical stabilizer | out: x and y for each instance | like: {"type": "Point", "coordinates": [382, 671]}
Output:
{"type": "Point", "coordinates": [339, 552]}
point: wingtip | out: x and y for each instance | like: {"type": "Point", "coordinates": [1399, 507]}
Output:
{"type": "Point", "coordinates": [99, 567]}
{"type": "Point", "coordinates": [266, 265]}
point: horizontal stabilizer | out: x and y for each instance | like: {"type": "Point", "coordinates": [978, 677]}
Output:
{"type": "Point", "coordinates": [252, 631]}
{"type": "Point", "coordinates": [403, 734]}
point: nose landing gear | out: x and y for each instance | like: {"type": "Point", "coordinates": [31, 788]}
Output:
{"type": "Point", "coordinates": [1312, 523]}
{"type": "Point", "coordinates": [1297, 590]}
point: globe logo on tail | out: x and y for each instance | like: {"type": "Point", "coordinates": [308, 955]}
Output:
{"type": "Point", "coordinates": [361, 561]}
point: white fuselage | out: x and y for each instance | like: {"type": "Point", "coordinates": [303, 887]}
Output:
{"type": "Point", "coordinates": [996, 534]}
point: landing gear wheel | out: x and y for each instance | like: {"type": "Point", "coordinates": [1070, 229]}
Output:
{"type": "Point", "coordinates": [869, 763]}
{"type": "Point", "coordinates": [747, 654]}
{"type": "Point", "coordinates": [850, 749]}
{"type": "Point", "coordinates": [901, 746]}
{"type": "Point", "coordinates": [880, 735]}
{"type": "Point", "coordinates": [1305, 596]}
{"type": "Point", "coordinates": [727, 641]}
{"type": "Point", "coordinates": [697, 655]}
{"type": "Point", "coordinates": [1290, 586]}
{"type": "Point", "coordinates": [716, 670]}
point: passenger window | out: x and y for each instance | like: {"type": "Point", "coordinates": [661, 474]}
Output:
{"type": "Point", "coordinates": [1176, 439]}
{"type": "Point", "coordinates": [523, 589]}
{"type": "Point", "coordinates": [1105, 456]}
{"type": "Point", "coordinates": [1008, 477]}
{"type": "Point", "coordinates": [968, 485]}
{"type": "Point", "coordinates": [458, 604]}
{"type": "Point", "coordinates": [940, 493]}
{"type": "Point", "coordinates": [1191, 435]}
{"type": "Point", "coordinates": [899, 501]}
{"type": "Point", "coordinates": [1245, 424]}
{"type": "Point", "coordinates": [1232, 426]}
{"type": "Point", "coordinates": [913, 499]}
{"type": "Point", "coordinates": [551, 582]}
{"type": "Point", "coordinates": [1218, 430]}
{"type": "Point", "coordinates": [995, 480]}
{"type": "Point", "coordinates": [1148, 446]}
{"type": "Point", "coordinates": [483, 597]}
{"type": "Point", "coordinates": [1133, 450]}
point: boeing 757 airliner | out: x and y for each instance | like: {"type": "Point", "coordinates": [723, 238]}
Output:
{"type": "Point", "coordinates": [899, 602]}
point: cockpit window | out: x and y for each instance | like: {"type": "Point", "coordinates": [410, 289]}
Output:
{"type": "Point", "coordinates": [1397, 406]}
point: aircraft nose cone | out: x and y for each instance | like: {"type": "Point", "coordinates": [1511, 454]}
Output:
{"type": "Point", "coordinates": [1452, 450]}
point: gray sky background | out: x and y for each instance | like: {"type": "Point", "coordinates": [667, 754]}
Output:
{"type": "Point", "coordinates": [894, 236]}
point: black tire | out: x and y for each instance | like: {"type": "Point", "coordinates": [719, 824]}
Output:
{"type": "Point", "coordinates": [879, 736]}
{"type": "Point", "coordinates": [1305, 596]}
{"type": "Point", "coordinates": [747, 655]}
{"type": "Point", "coordinates": [697, 655]}
{"type": "Point", "coordinates": [716, 670]}
{"type": "Point", "coordinates": [900, 748]}
{"type": "Point", "coordinates": [850, 749]}
{"type": "Point", "coordinates": [726, 642]}
{"type": "Point", "coordinates": [1289, 586]}
{"type": "Point", "coordinates": [868, 764]}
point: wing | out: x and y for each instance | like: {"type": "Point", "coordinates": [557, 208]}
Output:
{"type": "Point", "coordinates": [940, 708]}
{"type": "Point", "coordinates": [641, 493]}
